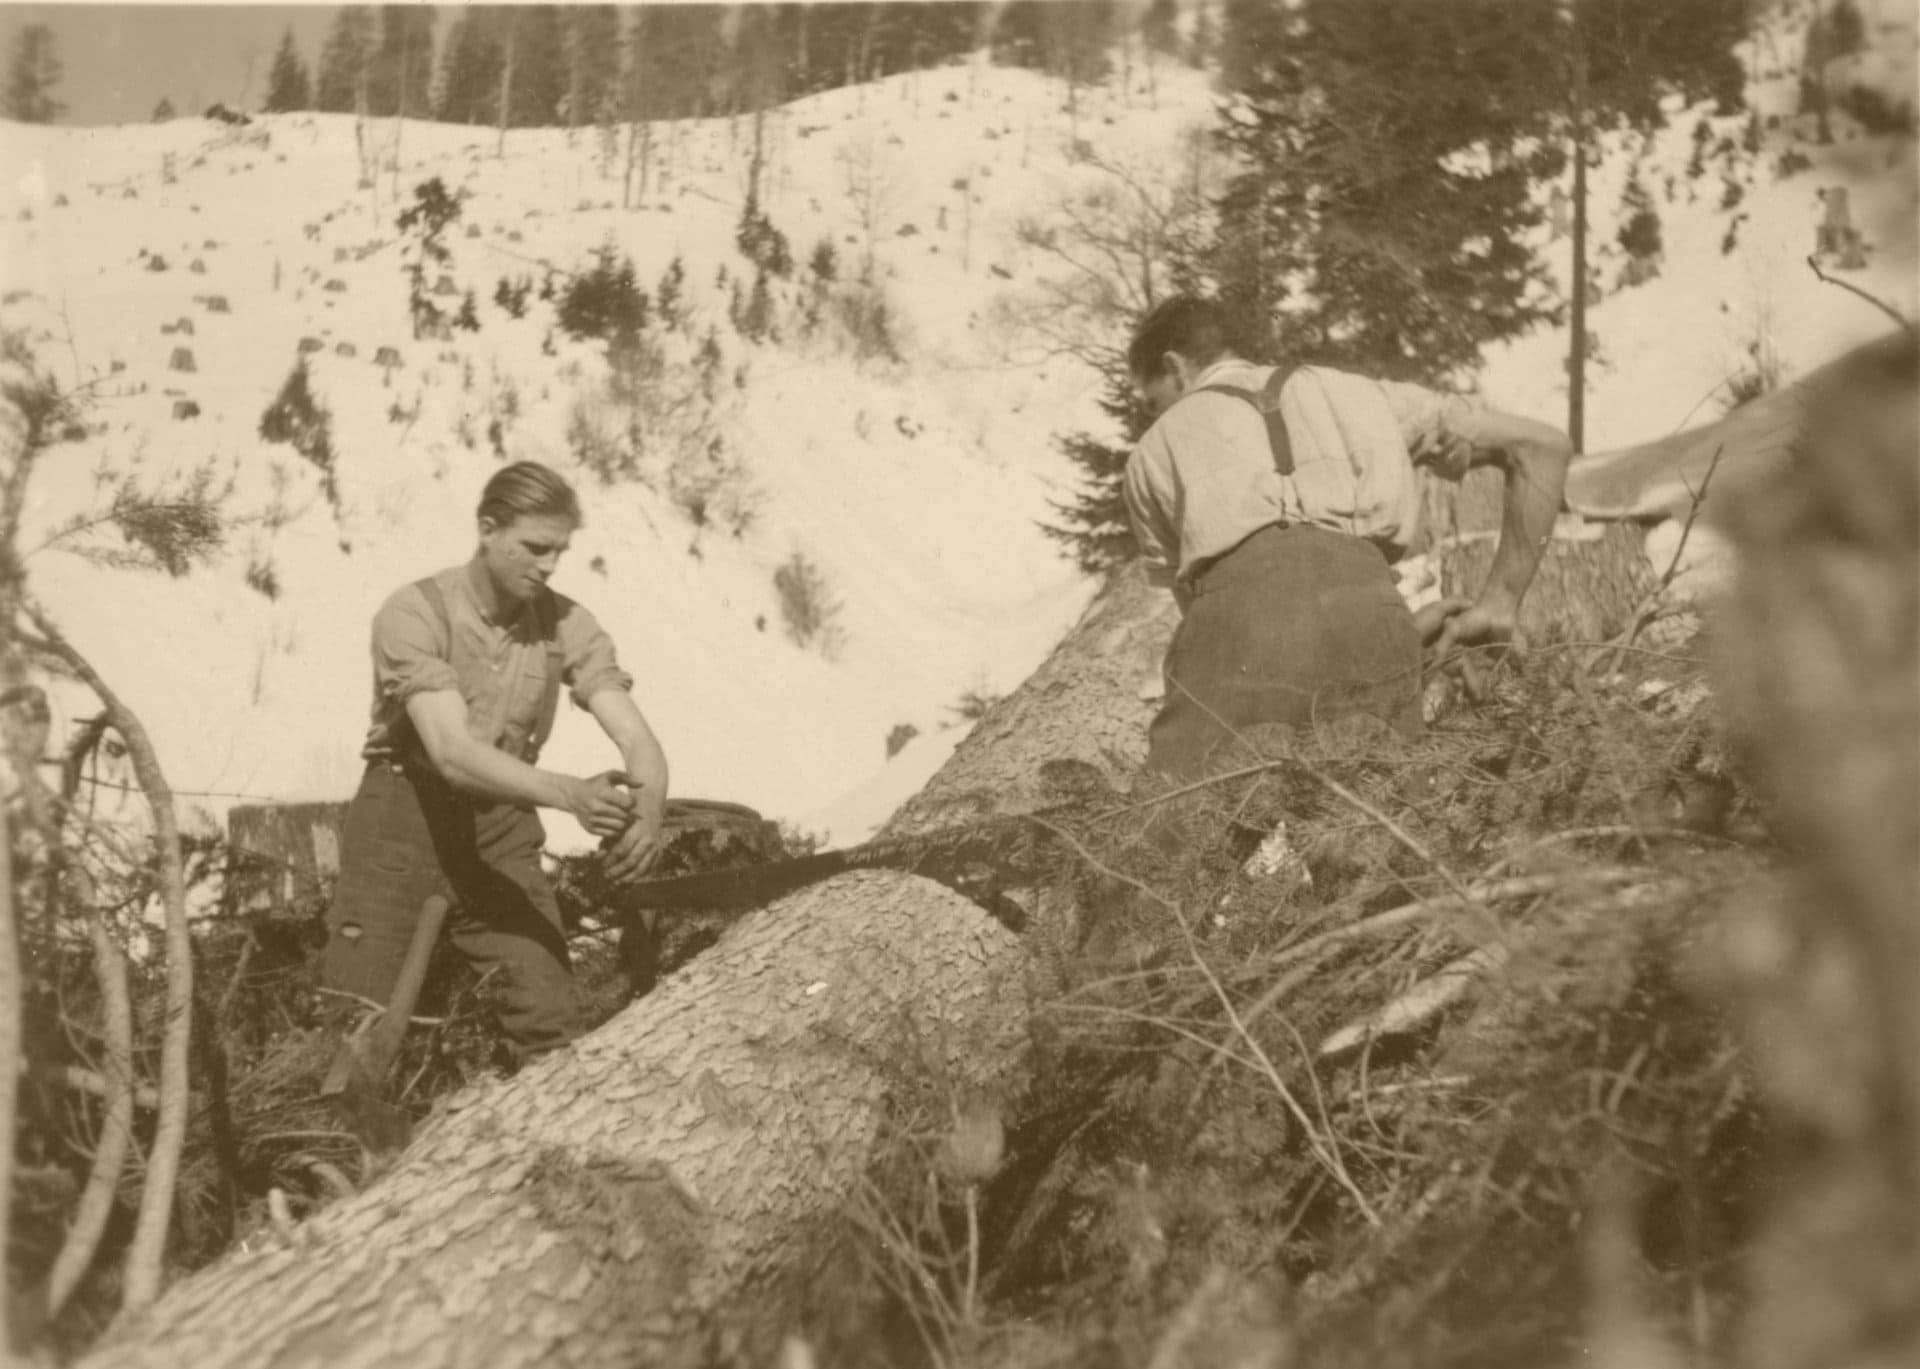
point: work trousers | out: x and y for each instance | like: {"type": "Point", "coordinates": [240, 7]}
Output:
{"type": "Point", "coordinates": [409, 835]}
{"type": "Point", "coordinates": [1296, 625]}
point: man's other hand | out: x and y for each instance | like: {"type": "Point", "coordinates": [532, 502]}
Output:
{"type": "Point", "coordinates": [604, 805]}
{"type": "Point", "coordinates": [631, 854]}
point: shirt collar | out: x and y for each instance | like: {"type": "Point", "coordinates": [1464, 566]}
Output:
{"type": "Point", "coordinates": [1212, 373]}
{"type": "Point", "coordinates": [473, 578]}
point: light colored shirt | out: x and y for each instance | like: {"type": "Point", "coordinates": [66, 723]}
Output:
{"type": "Point", "coordinates": [1202, 479]}
{"type": "Point", "coordinates": [499, 666]}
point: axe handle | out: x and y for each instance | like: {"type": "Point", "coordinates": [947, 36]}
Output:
{"type": "Point", "coordinates": [383, 1039]}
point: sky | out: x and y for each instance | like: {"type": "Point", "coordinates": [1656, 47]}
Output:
{"type": "Point", "coordinates": [121, 59]}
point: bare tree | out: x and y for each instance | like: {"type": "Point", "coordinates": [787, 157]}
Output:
{"type": "Point", "coordinates": [872, 187]}
{"type": "Point", "coordinates": [1117, 246]}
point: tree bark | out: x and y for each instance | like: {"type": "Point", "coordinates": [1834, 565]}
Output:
{"type": "Point", "coordinates": [1085, 709]}
{"type": "Point", "coordinates": [604, 1205]}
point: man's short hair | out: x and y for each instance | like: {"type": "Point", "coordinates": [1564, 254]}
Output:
{"type": "Point", "coordinates": [527, 489]}
{"type": "Point", "coordinates": [1195, 328]}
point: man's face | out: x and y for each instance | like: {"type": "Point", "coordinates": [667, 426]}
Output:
{"type": "Point", "coordinates": [521, 556]}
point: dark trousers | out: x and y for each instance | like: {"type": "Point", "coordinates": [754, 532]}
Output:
{"type": "Point", "coordinates": [409, 835]}
{"type": "Point", "coordinates": [1296, 625]}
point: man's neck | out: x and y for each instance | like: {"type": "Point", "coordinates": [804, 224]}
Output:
{"type": "Point", "coordinates": [1214, 367]}
{"type": "Point", "coordinates": [495, 607]}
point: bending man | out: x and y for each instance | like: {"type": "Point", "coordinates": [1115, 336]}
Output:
{"type": "Point", "coordinates": [1276, 539]}
{"type": "Point", "coordinates": [467, 670]}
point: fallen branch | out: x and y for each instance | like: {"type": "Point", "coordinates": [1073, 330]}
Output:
{"type": "Point", "coordinates": [1874, 300]}
{"type": "Point", "coordinates": [1420, 1004]}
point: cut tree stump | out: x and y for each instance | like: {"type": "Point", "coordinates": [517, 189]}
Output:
{"type": "Point", "coordinates": [680, 1164]}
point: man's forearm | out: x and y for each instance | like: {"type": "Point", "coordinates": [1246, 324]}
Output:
{"type": "Point", "coordinates": [640, 752]}
{"type": "Point", "coordinates": [646, 766]}
{"type": "Point", "coordinates": [1536, 476]}
{"type": "Point", "coordinates": [490, 773]}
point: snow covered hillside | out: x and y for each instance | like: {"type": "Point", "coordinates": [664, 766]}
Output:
{"type": "Point", "coordinates": [914, 487]}
{"type": "Point", "coordinates": [1733, 294]}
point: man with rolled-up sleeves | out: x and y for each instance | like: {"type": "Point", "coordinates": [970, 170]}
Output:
{"type": "Point", "coordinates": [468, 665]}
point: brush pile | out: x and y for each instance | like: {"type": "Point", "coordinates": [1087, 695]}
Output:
{"type": "Point", "coordinates": [1354, 1051]}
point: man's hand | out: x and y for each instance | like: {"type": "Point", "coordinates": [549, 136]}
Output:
{"type": "Point", "coordinates": [604, 805]}
{"type": "Point", "coordinates": [1466, 635]}
{"type": "Point", "coordinates": [1432, 618]}
{"type": "Point", "coordinates": [631, 854]}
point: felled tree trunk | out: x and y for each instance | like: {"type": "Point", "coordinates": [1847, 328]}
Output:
{"type": "Point", "coordinates": [1082, 716]}
{"type": "Point", "coordinates": [606, 1205]}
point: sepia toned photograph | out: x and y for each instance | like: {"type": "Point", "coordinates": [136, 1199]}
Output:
{"type": "Point", "coordinates": [960, 684]}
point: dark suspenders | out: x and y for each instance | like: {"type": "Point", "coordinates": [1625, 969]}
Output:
{"type": "Point", "coordinates": [547, 617]}
{"type": "Point", "coordinates": [1267, 402]}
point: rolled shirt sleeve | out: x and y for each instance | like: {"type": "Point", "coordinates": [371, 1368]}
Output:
{"type": "Point", "coordinates": [410, 654]}
{"type": "Point", "coordinates": [590, 663]}
{"type": "Point", "coordinates": [1430, 424]}
{"type": "Point", "coordinates": [1152, 528]}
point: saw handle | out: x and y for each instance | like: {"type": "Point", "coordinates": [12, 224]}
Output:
{"type": "Point", "coordinates": [383, 1042]}
{"type": "Point", "coordinates": [364, 1059]}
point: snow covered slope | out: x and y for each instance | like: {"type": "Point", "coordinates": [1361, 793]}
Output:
{"type": "Point", "coordinates": [1734, 295]}
{"type": "Point", "coordinates": [915, 488]}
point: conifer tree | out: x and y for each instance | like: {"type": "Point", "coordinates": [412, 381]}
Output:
{"type": "Point", "coordinates": [288, 87]}
{"type": "Point", "coordinates": [1160, 26]}
{"type": "Point", "coordinates": [402, 64]}
{"type": "Point", "coordinates": [539, 68]}
{"type": "Point", "coordinates": [1093, 524]}
{"type": "Point", "coordinates": [345, 58]}
{"type": "Point", "coordinates": [163, 111]}
{"type": "Point", "coordinates": [469, 85]}
{"type": "Point", "coordinates": [33, 70]}
{"type": "Point", "coordinates": [590, 45]}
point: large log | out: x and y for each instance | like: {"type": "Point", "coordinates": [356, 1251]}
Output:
{"type": "Point", "coordinates": [602, 1207]}
{"type": "Point", "coordinates": [1085, 710]}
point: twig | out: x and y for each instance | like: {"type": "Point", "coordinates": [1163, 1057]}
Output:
{"type": "Point", "coordinates": [1650, 604]}
{"type": "Point", "coordinates": [373, 1006]}
{"type": "Point", "coordinates": [1878, 303]}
